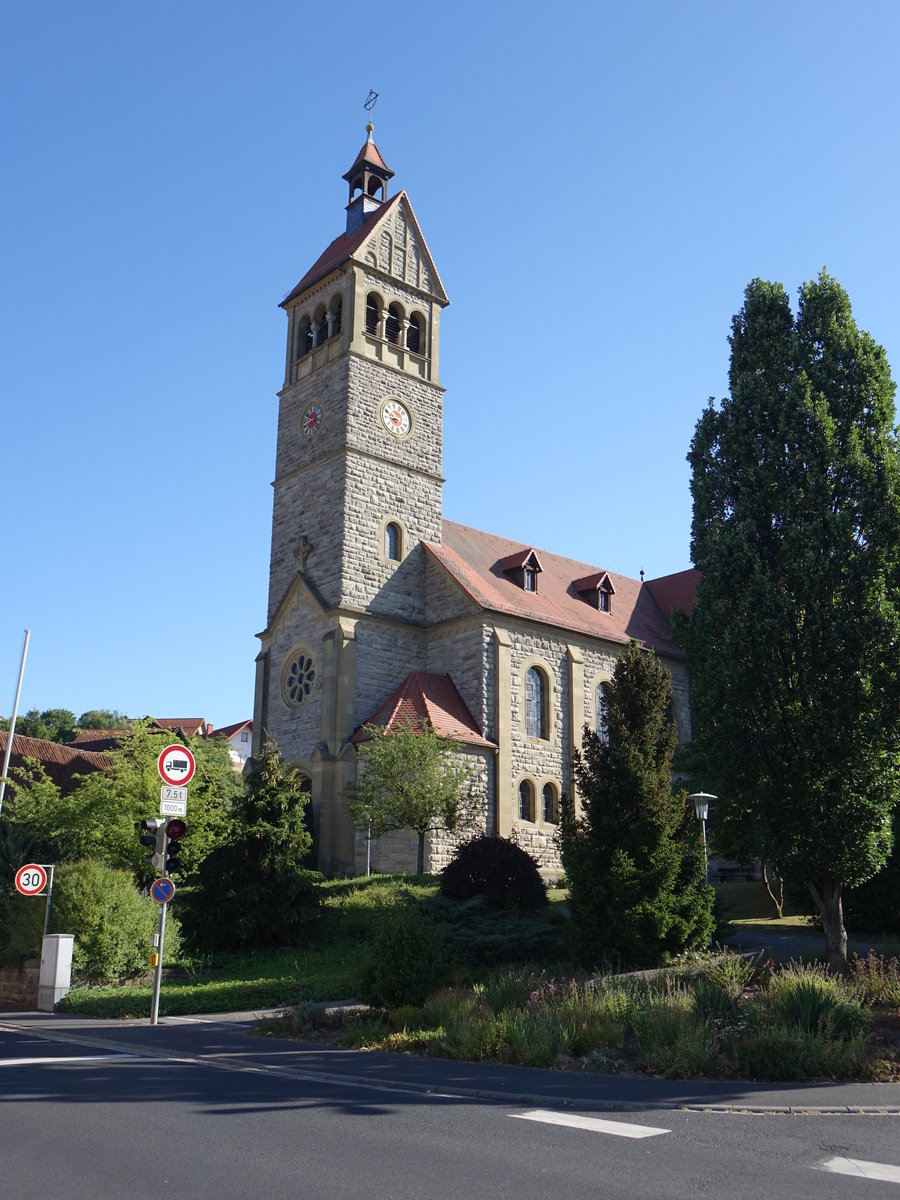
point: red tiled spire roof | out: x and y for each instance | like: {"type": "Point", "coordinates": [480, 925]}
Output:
{"type": "Point", "coordinates": [475, 560]}
{"type": "Point", "coordinates": [372, 155]}
{"type": "Point", "coordinates": [423, 697]}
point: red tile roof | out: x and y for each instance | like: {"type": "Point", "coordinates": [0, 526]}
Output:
{"type": "Point", "coordinates": [370, 154]}
{"type": "Point", "coordinates": [189, 726]}
{"type": "Point", "coordinates": [85, 737]}
{"type": "Point", "coordinates": [228, 731]}
{"type": "Point", "coordinates": [675, 591]}
{"type": "Point", "coordinates": [423, 697]}
{"type": "Point", "coordinates": [62, 763]}
{"type": "Point", "coordinates": [339, 251]}
{"type": "Point", "coordinates": [475, 561]}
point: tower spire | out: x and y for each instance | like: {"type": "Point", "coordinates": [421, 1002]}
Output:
{"type": "Point", "coordinates": [368, 177]}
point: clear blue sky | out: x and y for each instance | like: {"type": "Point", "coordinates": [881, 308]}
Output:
{"type": "Point", "coordinates": [597, 182]}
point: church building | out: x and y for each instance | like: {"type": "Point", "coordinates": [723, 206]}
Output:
{"type": "Point", "coordinates": [381, 610]}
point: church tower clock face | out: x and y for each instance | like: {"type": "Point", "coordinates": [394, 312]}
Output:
{"type": "Point", "coordinates": [396, 418]}
{"type": "Point", "coordinates": [312, 419]}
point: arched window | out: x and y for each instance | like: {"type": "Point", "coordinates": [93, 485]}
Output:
{"type": "Point", "coordinates": [392, 324]}
{"type": "Point", "coordinates": [526, 801]}
{"type": "Point", "coordinates": [414, 337]}
{"type": "Point", "coordinates": [373, 313]}
{"type": "Point", "coordinates": [602, 714]}
{"type": "Point", "coordinates": [535, 703]}
{"type": "Point", "coordinates": [305, 340]}
{"type": "Point", "coordinates": [337, 305]}
{"type": "Point", "coordinates": [392, 541]}
{"type": "Point", "coordinates": [550, 806]}
{"type": "Point", "coordinates": [321, 325]}
{"type": "Point", "coordinates": [376, 188]}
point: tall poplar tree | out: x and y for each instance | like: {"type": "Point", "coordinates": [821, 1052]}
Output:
{"type": "Point", "coordinates": [794, 641]}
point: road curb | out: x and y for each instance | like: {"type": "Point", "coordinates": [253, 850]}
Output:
{"type": "Point", "coordinates": [493, 1096]}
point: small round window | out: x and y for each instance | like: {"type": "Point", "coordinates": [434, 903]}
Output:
{"type": "Point", "coordinates": [298, 678]}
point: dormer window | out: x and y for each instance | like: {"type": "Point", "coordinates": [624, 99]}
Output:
{"type": "Point", "coordinates": [522, 568]}
{"type": "Point", "coordinates": [597, 590]}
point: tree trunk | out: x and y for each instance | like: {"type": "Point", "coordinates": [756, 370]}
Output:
{"type": "Point", "coordinates": [778, 901]}
{"type": "Point", "coordinates": [420, 857]}
{"type": "Point", "coordinates": [827, 895]}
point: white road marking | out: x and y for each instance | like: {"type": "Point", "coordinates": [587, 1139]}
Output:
{"type": "Point", "coordinates": [71, 1058]}
{"type": "Point", "coordinates": [597, 1124]}
{"type": "Point", "coordinates": [861, 1169]}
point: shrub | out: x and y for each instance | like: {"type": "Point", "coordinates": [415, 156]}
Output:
{"type": "Point", "coordinates": [479, 934]}
{"type": "Point", "coordinates": [442, 1006]}
{"type": "Point", "coordinates": [670, 1043]}
{"type": "Point", "coordinates": [713, 1003]}
{"type": "Point", "coordinates": [406, 1016]}
{"type": "Point", "coordinates": [469, 1034]}
{"type": "Point", "coordinates": [780, 1055]}
{"type": "Point", "coordinates": [530, 1039]}
{"type": "Point", "coordinates": [498, 869]}
{"type": "Point", "coordinates": [112, 922]}
{"type": "Point", "coordinates": [405, 960]}
{"type": "Point", "coordinates": [877, 979]}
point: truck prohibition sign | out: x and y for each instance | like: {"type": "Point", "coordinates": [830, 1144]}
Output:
{"type": "Point", "coordinates": [176, 765]}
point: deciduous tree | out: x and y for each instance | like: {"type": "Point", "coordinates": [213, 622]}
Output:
{"type": "Point", "coordinates": [411, 778]}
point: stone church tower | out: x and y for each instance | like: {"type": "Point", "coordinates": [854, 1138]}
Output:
{"type": "Point", "coordinates": [380, 611]}
{"type": "Point", "coordinates": [357, 490]}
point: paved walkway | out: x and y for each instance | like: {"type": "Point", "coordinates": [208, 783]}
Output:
{"type": "Point", "coordinates": [230, 1041]}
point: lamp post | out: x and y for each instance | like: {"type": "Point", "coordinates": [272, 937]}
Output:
{"type": "Point", "coordinates": [701, 808]}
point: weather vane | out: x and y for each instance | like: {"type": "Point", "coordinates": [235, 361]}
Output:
{"type": "Point", "coordinates": [370, 102]}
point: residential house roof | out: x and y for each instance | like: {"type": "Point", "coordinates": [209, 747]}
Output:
{"type": "Point", "coordinates": [62, 763]}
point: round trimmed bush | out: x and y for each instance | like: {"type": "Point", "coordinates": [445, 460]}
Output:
{"type": "Point", "coordinates": [496, 868]}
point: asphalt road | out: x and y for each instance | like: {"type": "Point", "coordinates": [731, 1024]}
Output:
{"type": "Point", "coordinates": [203, 1110]}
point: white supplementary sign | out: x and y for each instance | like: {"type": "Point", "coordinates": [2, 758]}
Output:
{"type": "Point", "coordinates": [173, 801]}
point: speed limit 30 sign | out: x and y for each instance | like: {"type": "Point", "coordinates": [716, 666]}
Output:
{"type": "Point", "coordinates": [31, 879]}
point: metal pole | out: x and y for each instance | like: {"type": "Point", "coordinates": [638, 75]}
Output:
{"type": "Point", "coordinates": [12, 720]}
{"type": "Point", "coordinates": [157, 977]}
{"type": "Point", "coordinates": [49, 898]}
{"type": "Point", "coordinates": [705, 858]}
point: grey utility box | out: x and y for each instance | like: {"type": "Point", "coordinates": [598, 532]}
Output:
{"type": "Point", "coordinates": [56, 969]}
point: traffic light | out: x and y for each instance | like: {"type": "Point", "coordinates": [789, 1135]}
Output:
{"type": "Point", "coordinates": [153, 836]}
{"type": "Point", "coordinates": [175, 831]}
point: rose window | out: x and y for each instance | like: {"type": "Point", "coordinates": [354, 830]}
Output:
{"type": "Point", "coordinates": [299, 679]}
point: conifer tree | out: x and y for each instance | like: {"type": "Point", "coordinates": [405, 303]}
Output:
{"type": "Point", "coordinates": [633, 857]}
{"type": "Point", "coordinates": [794, 641]}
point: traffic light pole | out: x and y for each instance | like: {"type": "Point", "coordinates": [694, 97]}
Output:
{"type": "Point", "coordinates": [157, 975]}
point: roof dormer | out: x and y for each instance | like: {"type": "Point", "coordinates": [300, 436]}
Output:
{"type": "Point", "coordinates": [597, 590]}
{"type": "Point", "coordinates": [522, 568]}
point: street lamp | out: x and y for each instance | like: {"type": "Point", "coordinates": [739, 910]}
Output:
{"type": "Point", "coordinates": [701, 808]}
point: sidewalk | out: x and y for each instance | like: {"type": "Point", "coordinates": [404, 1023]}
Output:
{"type": "Point", "coordinates": [228, 1041]}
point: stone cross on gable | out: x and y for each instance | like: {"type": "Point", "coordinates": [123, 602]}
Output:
{"type": "Point", "coordinates": [302, 552]}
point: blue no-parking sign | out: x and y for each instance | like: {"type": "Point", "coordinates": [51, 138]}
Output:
{"type": "Point", "coordinates": [162, 890]}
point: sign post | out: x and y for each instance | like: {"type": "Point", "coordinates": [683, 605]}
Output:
{"type": "Point", "coordinates": [176, 768]}
{"type": "Point", "coordinates": [31, 881]}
